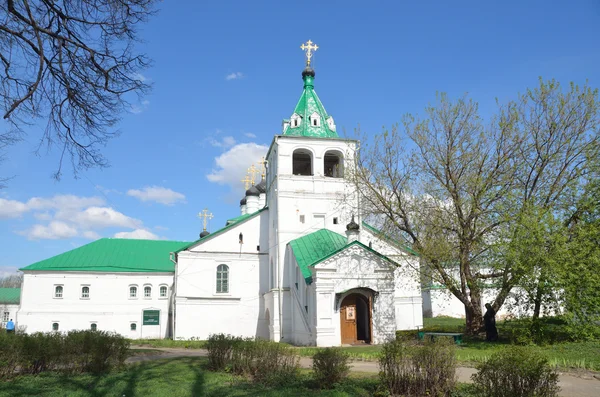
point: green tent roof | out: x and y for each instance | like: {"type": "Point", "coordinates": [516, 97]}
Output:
{"type": "Point", "coordinates": [308, 104]}
{"type": "Point", "coordinates": [10, 296]}
{"type": "Point", "coordinates": [114, 255]}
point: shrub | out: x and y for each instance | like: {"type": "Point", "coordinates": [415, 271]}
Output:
{"type": "Point", "coordinates": [330, 366]}
{"type": "Point", "coordinates": [74, 352]}
{"type": "Point", "coordinates": [516, 371]}
{"type": "Point", "coordinates": [435, 367]}
{"type": "Point", "coordinates": [220, 347]}
{"type": "Point", "coordinates": [264, 361]}
{"type": "Point", "coordinates": [418, 370]}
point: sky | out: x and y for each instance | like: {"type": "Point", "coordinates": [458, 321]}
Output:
{"type": "Point", "coordinates": [225, 74]}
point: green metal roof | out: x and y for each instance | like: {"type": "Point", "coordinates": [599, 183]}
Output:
{"type": "Point", "coordinates": [314, 248]}
{"type": "Point", "coordinates": [114, 255]}
{"type": "Point", "coordinates": [229, 225]}
{"type": "Point", "coordinates": [390, 240]}
{"type": "Point", "coordinates": [308, 104]}
{"type": "Point", "coordinates": [10, 296]}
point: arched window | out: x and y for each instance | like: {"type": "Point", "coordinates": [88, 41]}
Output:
{"type": "Point", "coordinates": [93, 327]}
{"type": "Point", "coordinates": [147, 291]}
{"type": "Point", "coordinates": [302, 162]}
{"type": "Point", "coordinates": [334, 164]}
{"type": "Point", "coordinates": [58, 291]}
{"type": "Point", "coordinates": [85, 292]}
{"type": "Point", "coordinates": [222, 279]}
{"type": "Point", "coordinates": [133, 291]}
{"type": "Point", "coordinates": [163, 291]}
{"type": "Point", "coordinates": [54, 326]}
{"type": "Point", "coordinates": [133, 326]}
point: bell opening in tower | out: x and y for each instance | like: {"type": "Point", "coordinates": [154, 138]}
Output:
{"type": "Point", "coordinates": [302, 163]}
{"type": "Point", "coordinates": [333, 165]}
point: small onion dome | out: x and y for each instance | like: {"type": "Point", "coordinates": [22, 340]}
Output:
{"type": "Point", "coordinates": [253, 191]}
{"type": "Point", "coordinates": [262, 186]}
{"type": "Point", "coordinates": [243, 201]}
{"type": "Point", "coordinates": [204, 234]}
{"type": "Point", "coordinates": [352, 225]}
{"type": "Point", "coordinates": [308, 71]}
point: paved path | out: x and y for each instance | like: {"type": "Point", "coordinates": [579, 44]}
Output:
{"type": "Point", "coordinates": [584, 385]}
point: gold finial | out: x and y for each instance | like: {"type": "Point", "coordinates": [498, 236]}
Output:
{"type": "Point", "coordinates": [205, 215]}
{"type": "Point", "coordinates": [246, 181]}
{"type": "Point", "coordinates": [253, 171]}
{"type": "Point", "coordinates": [263, 166]}
{"type": "Point", "coordinates": [309, 47]}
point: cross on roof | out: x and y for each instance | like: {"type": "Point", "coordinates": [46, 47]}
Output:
{"type": "Point", "coordinates": [205, 215]}
{"type": "Point", "coordinates": [246, 181]}
{"type": "Point", "coordinates": [263, 166]}
{"type": "Point", "coordinates": [253, 171]}
{"type": "Point", "coordinates": [309, 47]}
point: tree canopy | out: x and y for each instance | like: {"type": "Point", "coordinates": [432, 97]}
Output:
{"type": "Point", "coordinates": [458, 188]}
{"type": "Point", "coordinates": [70, 64]}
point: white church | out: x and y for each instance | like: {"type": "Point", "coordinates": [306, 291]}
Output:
{"type": "Point", "coordinates": [298, 265]}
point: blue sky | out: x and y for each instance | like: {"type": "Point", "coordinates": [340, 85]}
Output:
{"type": "Point", "coordinates": [226, 73]}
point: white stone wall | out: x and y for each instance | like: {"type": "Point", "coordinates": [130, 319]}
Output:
{"type": "Point", "coordinates": [109, 305]}
{"type": "Point", "coordinates": [199, 309]}
{"type": "Point", "coordinates": [340, 274]}
{"type": "Point", "coordinates": [12, 313]}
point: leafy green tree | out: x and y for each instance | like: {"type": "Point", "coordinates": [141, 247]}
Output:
{"type": "Point", "coordinates": [457, 188]}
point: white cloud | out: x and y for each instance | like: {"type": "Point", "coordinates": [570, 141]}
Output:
{"type": "Point", "coordinates": [234, 76]}
{"type": "Point", "coordinates": [99, 218]}
{"type": "Point", "coordinates": [142, 234]}
{"type": "Point", "coordinates": [233, 164]}
{"type": "Point", "coordinates": [12, 208]}
{"type": "Point", "coordinates": [91, 235]}
{"type": "Point", "coordinates": [225, 142]}
{"type": "Point", "coordinates": [55, 230]}
{"type": "Point", "coordinates": [250, 135]}
{"type": "Point", "coordinates": [157, 194]}
{"type": "Point", "coordinates": [6, 271]}
{"type": "Point", "coordinates": [139, 108]}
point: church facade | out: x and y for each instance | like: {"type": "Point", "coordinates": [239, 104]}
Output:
{"type": "Point", "coordinates": [297, 265]}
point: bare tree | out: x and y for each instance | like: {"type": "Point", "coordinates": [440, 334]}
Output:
{"type": "Point", "coordinates": [12, 281]}
{"type": "Point", "coordinates": [72, 63]}
{"type": "Point", "coordinates": [458, 195]}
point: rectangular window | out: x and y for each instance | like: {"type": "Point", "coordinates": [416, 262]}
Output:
{"type": "Point", "coordinates": [6, 316]}
{"type": "Point", "coordinates": [301, 218]}
{"type": "Point", "coordinates": [335, 221]}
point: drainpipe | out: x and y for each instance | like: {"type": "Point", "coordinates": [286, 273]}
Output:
{"type": "Point", "coordinates": [173, 293]}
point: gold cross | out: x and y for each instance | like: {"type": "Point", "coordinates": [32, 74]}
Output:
{"type": "Point", "coordinates": [263, 166]}
{"type": "Point", "coordinates": [205, 215]}
{"type": "Point", "coordinates": [253, 171]}
{"type": "Point", "coordinates": [309, 47]}
{"type": "Point", "coordinates": [246, 181]}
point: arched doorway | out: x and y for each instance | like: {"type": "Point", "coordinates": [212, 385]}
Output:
{"type": "Point", "coordinates": [356, 319]}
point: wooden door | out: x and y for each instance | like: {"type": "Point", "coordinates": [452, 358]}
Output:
{"type": "Point", "coordinates": [348, 320]}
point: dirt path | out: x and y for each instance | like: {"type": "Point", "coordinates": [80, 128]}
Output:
{"type": "Point", "coordinates": [580, 385]}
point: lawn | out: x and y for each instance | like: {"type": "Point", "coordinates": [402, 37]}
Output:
{"type": "Point", "coordinates": [171, 377]}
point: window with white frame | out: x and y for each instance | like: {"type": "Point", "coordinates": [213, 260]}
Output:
{"type": "Point", "coordinates": [133, 326]}
{"type": "Point", "coordinates": [132, 291]}
{"type": "Point", "coordinates": [94, 327]}
{"type": "Point", "coordinates": [54, 326]}
{"type": "Point", "coordinates": [147, 291]}
{"type": "Point", "coordinates": [222, 279]}
{"type": "Point", "coordinates": [85, 292]}
{"type": "Point", "coordinates": [6, 316]}
{"type": "Point", "coordinates": [163, 291]}
{"type": "Point", "coordinates": [58, 291]}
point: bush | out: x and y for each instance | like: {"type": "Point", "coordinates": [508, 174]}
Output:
{"type": "Point", "coordinates": [330, 366]}
{"type": "Point", "coordinates": [73, 352]}
{"type": "Point", "coordinates": [516, 371]}
{"type": "Point", "coordinates": [220, 348]}
{"type": "Point", "coordinates": [418, 370]}
{"type": "Point", "coordinates": [264, 361]}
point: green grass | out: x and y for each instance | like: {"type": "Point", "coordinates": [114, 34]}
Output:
{"type": "Point", "coordinates": [173, 378]}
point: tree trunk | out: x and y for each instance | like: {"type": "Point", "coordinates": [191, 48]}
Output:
{"type": "Point", "coordinates": [474, 318]}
